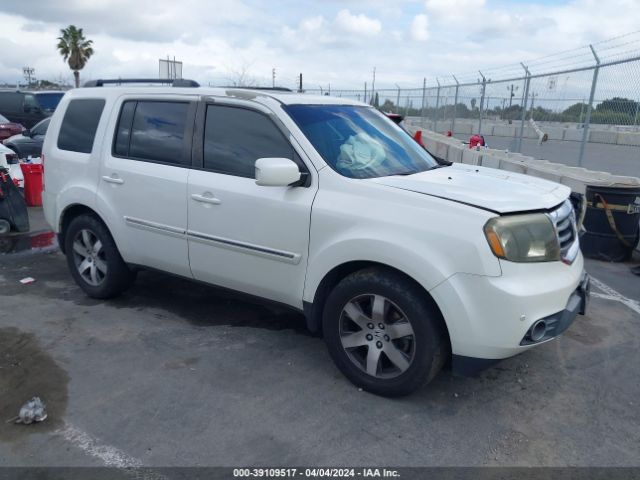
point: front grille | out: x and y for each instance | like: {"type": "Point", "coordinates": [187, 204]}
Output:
{"type": "Point", "coordinates": [565, 222]}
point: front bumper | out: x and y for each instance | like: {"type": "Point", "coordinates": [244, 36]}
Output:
{"type": "Point", "coordinates": [555, 325]}
{"type": "Point", "coordinates": [489, 317]}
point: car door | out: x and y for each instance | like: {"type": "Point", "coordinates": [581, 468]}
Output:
{"type": "Point", "coordinates": [32, 145]}
{"type": "Point", "coordinates": [243, 236]}
{"type": "Point", "coordinates": [143, 181]}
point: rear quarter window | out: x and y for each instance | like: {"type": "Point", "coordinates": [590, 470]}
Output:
{"type": "Point", "coordinates": [79, 125]}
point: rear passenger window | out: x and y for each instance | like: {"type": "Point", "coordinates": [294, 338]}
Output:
{"type": "Point", "coordinates": [79, 125]}
{"type": "Point", "coordinates": [123, 132]}
{"type": "Point", "coordinates": [157, 132]}
{"type": "Point", "coordinates": [234, 138]}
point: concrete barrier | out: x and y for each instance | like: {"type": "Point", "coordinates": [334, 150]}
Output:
{"type": "Point", "coordinates": [463, 129]}
{"type": "Point", "coordinates": [599, 136]}
{"type": "Point", "coordinates": [576, 178]}
{"type": "Point", "coordinates": [573, 135]}
{"type": "Point", "coordinates": [513, 166]}
{"type": "Point", "coordinates": [441, 149]}
{"type": "Point", "coordinates": [454, 154]}
{"type": "Point", "coordinates": [554, 133]}
{"type": "Point", "coordinates": [503, 131]}
{"type": "Point", "coordinates": [472, 157]}
{"type": "Point", "coordinates": [628, 138]}
{"type": "Point", "coordinates": [540, 172]}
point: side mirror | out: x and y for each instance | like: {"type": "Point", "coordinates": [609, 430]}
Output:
{"type": "Point", "coordinates": [276, 172]}
{"type": "Point", "coordinates": [26, 133]}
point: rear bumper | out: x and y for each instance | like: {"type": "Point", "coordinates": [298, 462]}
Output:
{"type": "Point", "coordinates": [556, 324]}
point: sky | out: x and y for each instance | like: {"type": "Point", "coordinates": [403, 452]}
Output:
{"type": "Point", "coordinates": [329, 42]}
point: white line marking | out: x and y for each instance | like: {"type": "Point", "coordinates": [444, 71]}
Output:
{"type": "Point", "coordinates": [611, 294]}
{"type": "Point", "coordinates": [110, 456]}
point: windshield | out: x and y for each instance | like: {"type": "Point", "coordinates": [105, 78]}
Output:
{"type": "Point", "coordinates": [49, 101]}
{"type": "Point", "coordinates": [360, 142]}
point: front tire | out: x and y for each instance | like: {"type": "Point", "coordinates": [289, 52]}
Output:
{"type": "Point", "coordinates": [93, 259]}
{"type": "Point", "coordinates": [383, 333]}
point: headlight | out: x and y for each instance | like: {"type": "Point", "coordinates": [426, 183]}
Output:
{"type": "Point", "coordinates": [523, 238]}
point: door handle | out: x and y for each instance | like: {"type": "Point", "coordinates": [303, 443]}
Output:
{"type": "Point", "coordinates": [115, 180]}
{"type": "Point", "coordinates": [210, 199]}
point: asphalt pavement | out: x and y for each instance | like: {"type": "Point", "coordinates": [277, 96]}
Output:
{"type": "Point", "coordinates": [175, 373]}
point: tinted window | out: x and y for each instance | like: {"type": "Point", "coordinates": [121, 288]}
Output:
{"type": "Point", "coordinates": [41, 127]}
{"type": "Point", "coordinates": [158, 132]}
{"type": "Point", "coordinates": [10, 102]}
{"type": "Point", "coordinates": [79, 125]}
{"type": "Point", "coordinates": [234, 138]}
{"type": "Point", "coordinates": [49, 101]}
{"type": "Point", "coordinates": [123, 132]}
{"type": "Point", "coordinates": [30, 103]}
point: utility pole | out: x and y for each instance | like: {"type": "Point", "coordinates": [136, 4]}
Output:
{"type": "Point", "coordinates": [28, 73]}
{"type": "Point", "coordinates": [273, 77]}
{"type": "Point", "coordinates": [533, 97]}
{"type": "Point", "coordinates": [300, 84]}
{"type": "Point", "coordinates": [512, 94]}
{"type": "Point", "coordinates": [398, 102]}
{"type": "Point", "coordinates": [373, 83]}
{"type": "Point", "coordinates": [365, 92]}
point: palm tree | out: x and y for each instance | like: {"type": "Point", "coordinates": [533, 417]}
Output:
{"type": "Point", "coordinates": [75, 49]}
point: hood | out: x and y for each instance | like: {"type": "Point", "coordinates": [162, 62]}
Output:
{"type": "Point", "coordinates": [17, 138]}
{"type": "Point", "coordinates": [488, 188]}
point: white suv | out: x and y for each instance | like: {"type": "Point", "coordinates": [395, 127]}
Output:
{"type": "Point", "coordinates": [320, 203]}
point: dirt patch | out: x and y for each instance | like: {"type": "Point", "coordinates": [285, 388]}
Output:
{"type": "Point", "coordinates": [27, 371]}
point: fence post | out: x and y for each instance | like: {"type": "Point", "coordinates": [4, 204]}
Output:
{"type": "Point", "coordinates": [424, 92]}
{"type": "Point", "coordinates": [525, 98]}
{"type": "Point", "coordinates": [435, 116]}
{"type": "Point", "coordinates": [587, 120]}
{"type": "Point", "coordinates": [484, 85]}
{"type": "Point", "coordinates": [455, 107]}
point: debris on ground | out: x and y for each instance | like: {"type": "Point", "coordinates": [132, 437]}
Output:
{"type": "Point", "coordinates": [27, 280]}
{"type": "Point", "coordinates": [31, 412]}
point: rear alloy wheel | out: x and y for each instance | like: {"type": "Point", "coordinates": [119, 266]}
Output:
{"type": "Point", "coordinates": [89, 257]}
{"type": "Point", "coordinates": [383, 332]}
{"type": "Point", "coordinates": [94, 260]}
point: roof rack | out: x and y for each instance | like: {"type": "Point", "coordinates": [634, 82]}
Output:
{"type": "Point", "coordinates": [178, 82]}
{"type": "Point", "coordinates": [275, 89]}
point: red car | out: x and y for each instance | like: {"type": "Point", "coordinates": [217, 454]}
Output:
{"type": "Point", "coordinates": [8, 129]}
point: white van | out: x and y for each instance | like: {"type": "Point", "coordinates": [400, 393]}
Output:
{"type": "Point", "coordinates": [320, 203]}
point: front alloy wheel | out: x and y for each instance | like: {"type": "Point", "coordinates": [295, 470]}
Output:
{"type": "Point", "coordinates": [384, 332]}
{"type": "Point", "coordinates": [377, 336]}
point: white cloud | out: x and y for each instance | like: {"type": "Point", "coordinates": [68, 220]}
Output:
{"type": "Point", "coordinates": [312, 24]}
{"type": "Point", "coordinates": [337, 41]}
{"type": "Point", "coordinates": [359, 24]}
{"type": "Point", "coordinates": [420, 28]}
{"type": "Point", "coordinates": [454, 9]}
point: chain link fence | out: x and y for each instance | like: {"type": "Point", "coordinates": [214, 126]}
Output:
{"type": "Point", "coordinates": [578, 107]}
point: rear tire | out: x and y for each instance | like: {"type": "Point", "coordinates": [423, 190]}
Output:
{"type": "Point", "coordinates": [396, 342]}
{"type": "Point", "coordinates": [93, 259]}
